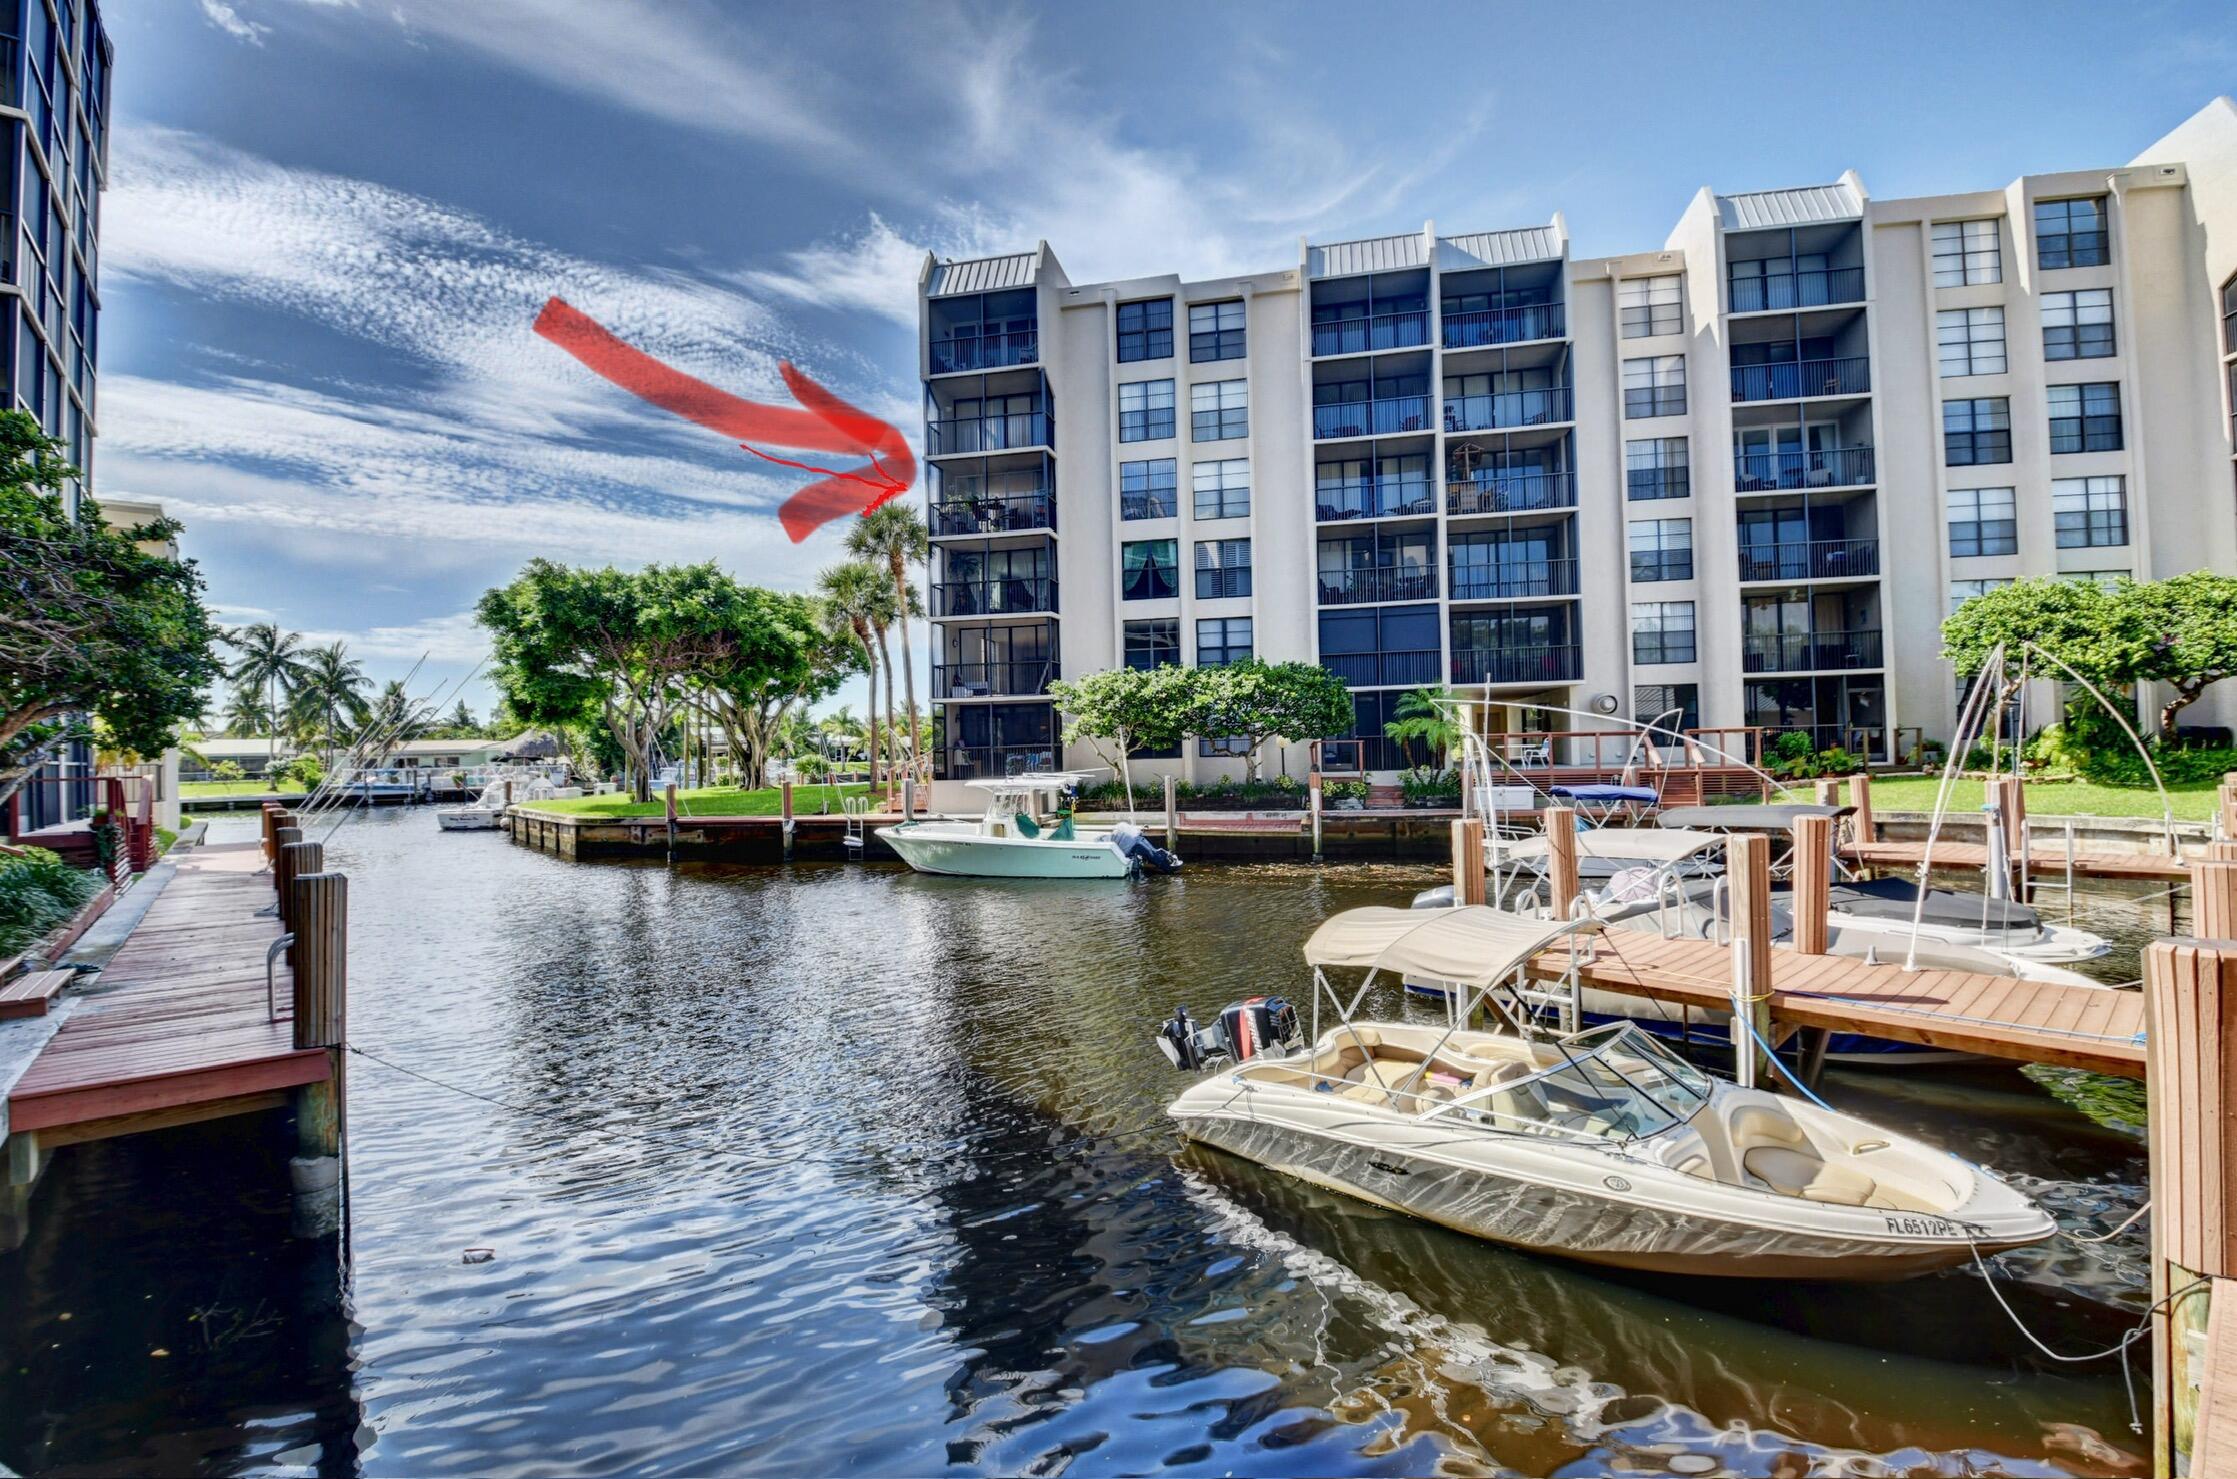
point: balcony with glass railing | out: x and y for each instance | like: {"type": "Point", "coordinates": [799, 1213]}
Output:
{"type": "Point", "coordinates": [999, 596]}
{"type": "Point", "coordinates": [1337, 499]}
{"type": "Point", "coordinates": [1370, 584]}
{"type": "Point", "coordinates": [1491, 665]}
{"type": "Point", "coordinates": [1502, 410]}
{"type": "Point", "coordinates": [1824, 650]}
{"type": "Point", "coordinates": [995, 351]}
{"type": "Point", "coordinates": [1383, 669]}
{"type": "Point", "coordinates": [1510, 491]}
{"type": "Point", "coordinates": [1811, 559]}
{"type": "Point", "coordinates": [1387, 416]}
{"type": "Point", "coordinates": [1769, 472]}
{"type": "Point", "coordinates": [1485, 327]}
{"type": "Point", "coordinates": [1803, 380]}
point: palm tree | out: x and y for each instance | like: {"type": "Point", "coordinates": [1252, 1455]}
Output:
{"type": "Point", "coordinates": [245, 715]}
{"type": "Point", "coordinates": [895, 533]}
{"type": "Point", "coordinates": [881, 611]}
{"type": "Point", "coordinates": [850, 592]}
{"type": "Point", "coordinates": [271, 660]}
{"type": "Point", "coordinates": [395, 719]}
{"type": "Point", "coordinates": [462, 719]}
{"type": "Point", "coordinates": [332, 692]}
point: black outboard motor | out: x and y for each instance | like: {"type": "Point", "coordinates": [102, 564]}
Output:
{"type": "Point", "coordinates": [1247, 1029]}
{"type": "Point", "coordinates": [1135, 845]}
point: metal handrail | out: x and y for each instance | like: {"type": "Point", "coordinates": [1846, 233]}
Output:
{"type": "Point", "coordinates": [272, 953]}
{"type": "Point", "coordinates": [1799, 380]}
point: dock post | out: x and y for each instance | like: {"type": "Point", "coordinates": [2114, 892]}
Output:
{"type": "Point", "coordinates": [1467, 861]}
{"type": "Point", "coordinates": [321, 910]}
{"type": "Point", "coordinates": [2190, 1017]}
{"type": "Point", "coordinates": [1561, 858]}
{"type": "Point", "coordinates": [668, 797]}
{"type": "Point", "coordinates": [2013, 812]}
{"type": "Point", "coordinates": [297, 860]}
{"type": "Point", "coordinates": [1748, 866]}
{"type": "Point", "coordinates": [1313, 804]}
{"type": "Point", "coordinates": [1829, 790]}
{"type": "Point", "coordinates": [2213, 898]}
{"type": "Point", "coordinates": [1172, 816]}
{"type": "Point", "coordinates": [1860, 795]}
{"type": "Point", "coordinates": [784, 810]}
{"type": "Point", "coordinates": [1813, 885]}
{"type": "Point", "coordinates": [2226, 814]}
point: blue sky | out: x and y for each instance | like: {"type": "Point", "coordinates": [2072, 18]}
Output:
{"type": "Point", "coordinates": [331, 222]}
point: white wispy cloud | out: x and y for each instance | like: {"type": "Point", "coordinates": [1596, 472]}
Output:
{"type": "Point", "coordinates": [230, 21]}
{"type": "Point", "coordinates": [453, 639]}
{"type": "Point", "coordinates": [874, 269]}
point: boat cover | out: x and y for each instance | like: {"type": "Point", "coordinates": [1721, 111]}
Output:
{"type": "Point", "coordinates": [1748, 817]}
{"type": "Point", "coordinates": [1626, 845]}
{"type": "Point", "coordinates": [1470, 947]}
{"type": "Point", "coordinates": [1609, 794]}
{"type": "Point", "coordinates": [1892, 899]}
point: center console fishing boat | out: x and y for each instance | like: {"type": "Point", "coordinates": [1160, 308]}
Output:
{"type": "Point", "coordinates": [1026, 832]}
{"type": "Point", "coordinates": [1600, 1145]}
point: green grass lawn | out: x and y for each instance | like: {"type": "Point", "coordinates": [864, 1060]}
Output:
{"type": "Point", "coordinates": [2191, 803]}
{"type": "Point", "coordinates": [188, 790]}
{"type": "Point", "coordinates": [711, 802]}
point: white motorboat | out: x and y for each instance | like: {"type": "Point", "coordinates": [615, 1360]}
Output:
{"type": "Point", "coordinates": [1024, 834]}
{"type": "Point", "coordinates": [500, 790]}
{"type": "Point", "coordinates": [1601, 1145]}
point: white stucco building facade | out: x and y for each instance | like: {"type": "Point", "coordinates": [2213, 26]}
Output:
{"type": "Point", "coordinates": [1744, 474]}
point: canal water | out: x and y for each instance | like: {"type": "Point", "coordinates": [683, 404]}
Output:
{"type": "Point", "coordinates": [841, 1169]}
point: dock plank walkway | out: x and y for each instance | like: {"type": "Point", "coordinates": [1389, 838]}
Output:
{"type": "Point", "coordinates": [2096, 1028]}
{"type": "Point", "coordinates": [2041, 861]}
{"type": "Point", "coordinates": [179, 1020]}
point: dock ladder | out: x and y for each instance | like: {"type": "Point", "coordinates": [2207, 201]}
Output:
{"type": "Point", "coordinates": [857, 809]}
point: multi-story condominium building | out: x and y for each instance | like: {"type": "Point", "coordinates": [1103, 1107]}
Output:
{"type": "Point", "coordinates": [1745, 475]}
{"type": "Point", "coordinates": [54, 103]}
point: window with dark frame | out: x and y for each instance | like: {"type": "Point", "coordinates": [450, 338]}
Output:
{"type": "Point", "coordinates": [1962, 591]}
{"type": "Point", "coordinates": [1651, 306]}
{"type": "Point", "coordinates": [1222, 641]}
{"type": "Point", "coordinates": [2071, 233]}
{"type": "Point", "coordinates": [1970, 340]}
{"type": "Point", "coordinates": [2229, 316]}
{"type": "Point", "coordinates": [1656, 467]}
{"type": "Point", "coordinates": [1967, 253]}
{"type": "Point", "coordinates": [1155, 643]}
{"type": "Point", "coordinates": [1223, 488]}
{"type": "Point", "coordinates": [1223, 747]}
{"type": "Point", "coordinates": [1149, 570]}
{"type": "Point", "coordinates": [1215, 331]}
{"type": "Point", "coordinates": [1976, 432]}
{"type": "Point", "coordinates": [2085, 418]}
{"type": "Point", "coordinates": [1145, 410]}
{"type": "Point", "coordinates": [1145, 330]}
{"type": "Point", "coordinates": [1661, 549]}
{"type": "Point", "coordinates": [1662, 631]}
{"type": "Point", "coordinates": [1654, 385]}
{"type": "Point", "coordinates": [1223, 568]}
{"type": "Point", "coordinates": [1219, 410]}
{"type": "Point", "coordinates": [1983, 521]}
{"type": "Point", "coordinates": [2090, 513]}
{"type": "Point", "coordinates": [2078, 325]}
{"type": "Point", "coordinates": [1651, 700]}
{"type": "Point", "coordinates": [1149, 490]}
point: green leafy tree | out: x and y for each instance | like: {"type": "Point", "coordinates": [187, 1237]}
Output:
{"type": "Point", "coordinates": [894, 534]}
{"type": "Point", "coordinates": [1121, 710]}
{"type": "Point", "coordinates": [1257, 701]}
{"type": "Point", "coordinates": [92, 622]}
{"type": "Point", "coordinates": [270, 662]}
{"type": "Point", "coordinates": [2181, 631]}
{"type": "Point", "coordinates": [784, 658]}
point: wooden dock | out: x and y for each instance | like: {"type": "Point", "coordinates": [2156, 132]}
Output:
{"type": "Point", "coordinates": [2042, 862]}
{"type": "Point", "coordinates": [199, 1014]}
{"type": "Point", "coordinates": [178, 1029]}
{"type": "Point", "coordinates": [2097, 1028]}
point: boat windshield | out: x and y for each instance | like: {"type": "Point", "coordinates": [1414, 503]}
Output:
{"type": "Point", "coordinates": [1613, 1082]}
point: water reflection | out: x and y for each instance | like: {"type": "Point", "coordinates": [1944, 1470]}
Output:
{"type": "Point", "coordinates": [845, 1168]}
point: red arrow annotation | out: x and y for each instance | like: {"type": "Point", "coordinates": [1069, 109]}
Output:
{"type": "Point", "coordinates": [827, 424]}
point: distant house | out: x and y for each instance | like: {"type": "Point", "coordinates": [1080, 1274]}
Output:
{"type": "Point", "coordinates": [254, 756]}
{"type": "Point", "coordinates": [443, 754]}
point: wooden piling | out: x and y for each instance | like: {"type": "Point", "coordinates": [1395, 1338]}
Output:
{"type": "Point", "coordinates": [1748, 865]}
{"type": "Point", "coordinates": [321, 909]}
{"type": "Point", "coordinates": [1860, 794]}
{"type": "Point", "coordinates": [2227, 812]}
{"type": "Point", "coordinates": [296, 860]}
{"type": "Point", "coordinates": [1172, 816]}
{"type": "Point", "coordinates": [1313, 803]}
{"type": "Point", "coordinates": [2213, 897]}
{"type": "Point", "coordinates": [1467, 861]}
{"type": "Point", "coordinates": [2190, 1019]}
{"type": "Point", "coordinates": [1561, 857]}
{"type": "Point", "coordinates": [668, 808]}
{"type": "Point", "coordinates": [784, 810]}
{"type": "Point", "coordinates": [1813, 882]}
{"type": "Point", "coordinates": [1829, 791]}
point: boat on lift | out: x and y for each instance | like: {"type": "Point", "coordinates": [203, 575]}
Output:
{"type": "Point", "coordinates": [1600, 1145]}
{"type": "Point", "coordinates": [1026, 831]}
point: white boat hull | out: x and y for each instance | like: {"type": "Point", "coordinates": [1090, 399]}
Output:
{"type": "Point", "coordinates": [957, 850]}
{"type": "Point", "coordinates": [1594, 1205]}
{"type": "Point", "coordinates": [467, 819]}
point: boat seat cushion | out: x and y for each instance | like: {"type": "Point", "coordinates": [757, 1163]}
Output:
{"type": "Point", "coordinates": [1797, 1173]}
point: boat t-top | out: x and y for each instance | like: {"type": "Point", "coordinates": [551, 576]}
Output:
{"type": "Point", "coordinates": [1026, 832]}
{"type": "Point", "coordinates": [1600, 1145]}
